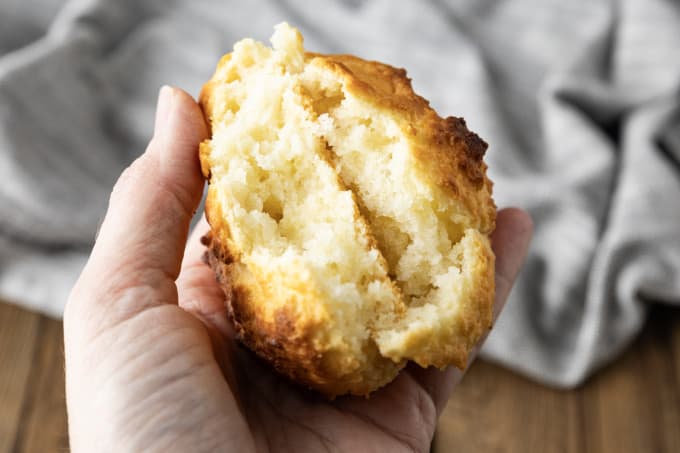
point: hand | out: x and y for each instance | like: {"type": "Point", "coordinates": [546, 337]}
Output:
{"type": "Point", "coordinates": [151, 364]}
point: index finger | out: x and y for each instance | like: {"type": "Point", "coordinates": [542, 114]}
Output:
{"type": "Point", "coordinates": [141, 241]}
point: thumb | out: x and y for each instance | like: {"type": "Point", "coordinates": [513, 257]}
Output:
{"type": "Point", "coordinates": [141, 241]}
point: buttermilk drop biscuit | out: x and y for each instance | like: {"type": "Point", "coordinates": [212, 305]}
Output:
{"type": "Point", "coordinates": [350, 223]}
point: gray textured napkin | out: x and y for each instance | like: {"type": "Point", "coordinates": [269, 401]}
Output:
{"type": "Point", "coordinates": [579, 101]}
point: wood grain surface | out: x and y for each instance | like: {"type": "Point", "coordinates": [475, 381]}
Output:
{"type": "Point", "coordinates": [632, 405]}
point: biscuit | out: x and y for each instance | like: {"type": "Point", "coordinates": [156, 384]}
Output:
{"type": "Point", "coordinates": [349, 222]}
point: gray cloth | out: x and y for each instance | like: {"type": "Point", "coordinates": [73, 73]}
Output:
{"type": "Point", "coordinates": [579, 101]}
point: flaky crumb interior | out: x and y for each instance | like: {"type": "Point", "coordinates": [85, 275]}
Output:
{"type": "Point", "coordinates": [312, 174]}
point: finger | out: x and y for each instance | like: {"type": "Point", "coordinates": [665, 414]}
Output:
{"type": "Point", "coordinates": [197, 288]}
{"type": "Point", "coordinates": [141, 241]}
{"type": "Point", "coordinates": [510, 243]}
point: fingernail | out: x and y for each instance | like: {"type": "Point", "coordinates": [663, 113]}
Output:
{"type": "Point", "coordinates": [163, 109]}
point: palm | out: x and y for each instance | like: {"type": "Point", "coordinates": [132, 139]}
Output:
{"type": "Point", "coordinates": [399, 418]}
{"type": "Point", "coordinates": [283, 418]}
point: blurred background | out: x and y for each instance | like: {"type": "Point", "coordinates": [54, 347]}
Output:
{"type": "Point", "coordinates": [579, 102]}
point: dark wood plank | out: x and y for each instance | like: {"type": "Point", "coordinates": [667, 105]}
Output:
{"type": "Point", "coordinates": [43, 421]}
{"type": "Point", "coordinates": [18, 339]}
{"type": "Point", "coordinates": [632, 405]}
{"type": "Point", "coordinates": [495, 410]}
{"type": "Point", "coordinates": [675, 351]}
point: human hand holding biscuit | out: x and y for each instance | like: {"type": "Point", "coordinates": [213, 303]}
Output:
{"type": "Point", "coordinates": [151, 363]}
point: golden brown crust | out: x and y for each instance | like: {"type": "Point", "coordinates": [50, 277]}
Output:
{"type": "Point", "coordinates": [449, 156]}
{"type": "Point", "coordinates": [287, 345]}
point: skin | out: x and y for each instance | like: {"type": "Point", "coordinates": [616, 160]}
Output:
{"type": "Point", "coordinates": [151, 364]}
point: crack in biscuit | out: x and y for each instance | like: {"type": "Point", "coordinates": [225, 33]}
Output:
{"type": "Point", "coordinates": [355, 219]}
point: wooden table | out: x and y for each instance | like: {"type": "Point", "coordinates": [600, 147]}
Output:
{"type": "Point", "coordinates": [631, 406]}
